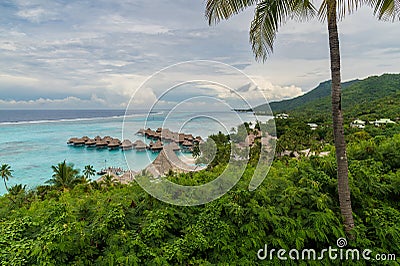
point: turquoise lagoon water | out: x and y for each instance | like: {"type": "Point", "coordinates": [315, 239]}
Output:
{"type": "Point", "coordinates": [32, 142]}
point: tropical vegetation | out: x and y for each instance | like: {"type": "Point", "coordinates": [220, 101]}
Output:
{"type": "Point", "coordinates": [268, 17]}
{"type": "Point", "coordinates": [296, 207]}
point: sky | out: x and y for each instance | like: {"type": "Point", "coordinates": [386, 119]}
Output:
{"type": "Point", "coordinates": [97, 54]}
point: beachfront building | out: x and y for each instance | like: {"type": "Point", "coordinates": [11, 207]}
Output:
{"type": "Point", "coordinates": [282, 116]}
{"type": "Point", "coordinates": [313, 126]}
{"type": "Point", "coordinates": [358, 123]}
{"type": "Point", "coordinates": [383, 121]}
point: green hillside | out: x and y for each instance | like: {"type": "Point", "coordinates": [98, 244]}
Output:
{"type": "Point", "coordinates": [372, 98]}
{"type": "Point", "coordinates": [321, 91]}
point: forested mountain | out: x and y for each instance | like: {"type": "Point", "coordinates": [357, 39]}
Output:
{"type": "Point", "coordinates": [371, 98]}
{"type": "Point", "coordinates": [321, 91]}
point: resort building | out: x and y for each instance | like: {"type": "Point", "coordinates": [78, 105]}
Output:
{"type": "Point", "coordinates": [313, 126]}
{"type": "Point", "coordinates": [358, 124]}
{"type": "Point", "coordinates": [282, 116]}
{"type": "Point", "coordinates": [383, 121]}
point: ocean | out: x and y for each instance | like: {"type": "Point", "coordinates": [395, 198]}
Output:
{"type": "Point", "coordinates": [31, 141]}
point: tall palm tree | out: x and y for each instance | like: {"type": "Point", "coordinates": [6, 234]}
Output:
{"type": "Point", "coordinates": [269, 16]}
{"type": "Point", "coordinates": [89, 171]}
{"type": "Point", "coordinates": [6, 173]}
{"type": "Point", "coordinates": [64, 176]}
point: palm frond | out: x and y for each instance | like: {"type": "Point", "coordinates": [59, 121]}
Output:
{"type": "Point", "coordinates": [269, 16]}
{"type": "Point", "coordinates": [386, 9]}
{"type": "Point", "coordinates": [343, 7]}
{"type": "Point", "coordinates": [217, 10]}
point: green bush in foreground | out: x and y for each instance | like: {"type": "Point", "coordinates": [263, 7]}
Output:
{"type": "Point", "coordinates": [295, 207]}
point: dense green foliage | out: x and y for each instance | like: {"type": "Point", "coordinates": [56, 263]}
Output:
{"type": "Point", "coordinates": [295, 207]}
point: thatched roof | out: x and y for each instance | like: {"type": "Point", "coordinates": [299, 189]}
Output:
{"type": "Point", "coordinates": [114, 144]}
{"type": "Point", "coordinates": [101, 143]}
{"type": "Point", "coordinates": [79, 141]}
{"type": "Point", "coordinates": [126, 144]}
{"type": "Point", "coordinates": [174, 146]}
{"type": "Point", "coordinates": [167, 160]}
{"type": "Point", "coordinates": [71, 140]}
{"type": "Point", "coordinates": [189, 137]}
{"type": "Point", "coordinates": [90, 142]}
{"type": "Point", "coordinates": [141, 131]}
{"type": "Point", "coordinates": [181, 137]}
{"type": "Point", "coordinates": [157, 146]}
{"type": "Point", "coordinates": [139, 145]}
{"type": "Point", "coordinates": [187, 143]}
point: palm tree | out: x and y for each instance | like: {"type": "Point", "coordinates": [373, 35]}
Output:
{"type": "Point", "coordinates": [64, 176]}
{"type": "Point", "coordinates": [89, 171]}
{"type": "Point", "coordinates": [269, 15]}
{"type": "Point", "coordinates": [6, 173]}
{"type": "Point", "coordinates": [17, 189]}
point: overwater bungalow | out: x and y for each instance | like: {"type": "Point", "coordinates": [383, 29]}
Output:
{"type": "Point", "coordinates": [141, 132]}
{"type": "Point", "coordinates": [79, 142]}
{"type": "Point", "coordinates": [189, 137]}
{"type": "Point", "coordinates": [158, 146]}
{"type": "Point", "coordinates": [107, 139]}
{"type": "Point", "coordinates": [187, 145]}
{"type": "Point", "coordinates": [150, 133]}
{"type": "Point", "coordinates": [126, 145]}
{"type": "Point", "coordinates": [71, 141]}
{"type": "Point", "coordinates": [101, 144]}
{"type": "Point", "coordinates": [139, 145]}
{"type": "Point", "coordinates": [181, 138]}
{"type": "Point", "coordinates": [90, 143]}
{"type": "Point", "coordinates": [114, 144]}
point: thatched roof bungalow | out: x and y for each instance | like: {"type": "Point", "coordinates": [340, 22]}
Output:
{"type": "Point", "coordinates": [101, 144]}
{"type": "Point", "coordinates": [90, 143]}
{"type": "Point", "coordinates": [141, 132]}
{"type": "Point", "coordinates": [139, 145]}
{"type": "Point", "coordinates": [158, 146]}
{"type": "Point", "coordinates": [126, 145]}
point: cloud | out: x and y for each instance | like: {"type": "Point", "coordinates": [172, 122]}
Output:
{"type": "Point", "coordinates": [45, 103]}
{"type": "Point", "coordinates": [60, 49]}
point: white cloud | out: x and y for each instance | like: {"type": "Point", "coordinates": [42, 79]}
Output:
{"type": "Point", "coordinates": [45, 103]}
{"type": "Point", "coordinates": [77, 48]}
{"type": "Point", "coordinates": [17, 80]}
{"type": "Point", "coordinates": [36, 15]}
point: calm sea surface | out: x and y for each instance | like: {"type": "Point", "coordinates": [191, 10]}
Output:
{"type": "Point", "coordinates": [31, 141]}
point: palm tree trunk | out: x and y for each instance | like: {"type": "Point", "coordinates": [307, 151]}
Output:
{"type": "Point", "coordinates": [5, 184]}
{"type": "Point", "coordinates": [338, 129]}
